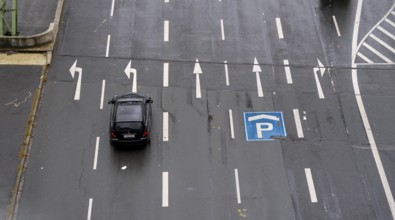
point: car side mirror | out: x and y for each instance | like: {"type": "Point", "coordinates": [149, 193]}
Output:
{"type": "Point", "coordinates": [111, 102]}
{"type": "Point", "coordinates": [149, 101]}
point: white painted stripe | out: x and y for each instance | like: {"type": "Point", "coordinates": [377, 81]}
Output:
{"type": "Point", "coordinates": [317, 81]}
{"type": "Point", "coordinates": [390, 22]}
{"type": "Point", "coordinates": [103, 87]}
{"type": "Point", "coordinates": [232, 131]}
{"type": "Point", "coordinates": [310, 184]}
{"type": "Point", "coordinates": [165, 74]}
{"type": "Point", "coordinates": [279, 28]}
{"type": "Point", "coordinates": [392, 12]}
{"type": "Point", "coordinates": [108, 45]}
{"type": "Point", "coordinates": [165, 126]}
{"type": "Point", "coordinates": [368, 130]}
{"type": "Point", "coordinates": [259, 85]}
{"type": "Point", "coordinates": [165, 189]}
{"type": "Point", "coordinates": [377, 53]}
{"type": "Point", "coordinates": [112, 8]}
{"type": "Point", "coordinates": [237, 186]}
{"type": "Point", "coordinates": [298, 123]}
{"type": "Point", "coordinates": [198, 91]}
{"type": "Point", "coordinates": [222, 29]}
{"type": "Point", "coordinates": [166, 31]}
{"type": "Point", "coordinates": [89, 209]}
{"type": "Point", "coordinates": [337, 27]}
{"type": "Point", "coordinates": [386, 32]}
{"type": "Point", "coordinates": [226, 73]}
{"type": "Point", "coordinates": [287, 72]}
{"type": "Point", "coordinates": [166, 1]}
{"type": "Point", "coordinates": [96, 153]}
{"type": "Point", "coordinates": [78, 87]}
{"type": "Point", "coordinates": [383, 43]}
{"type": "Point", "coordinates": [364, 57]}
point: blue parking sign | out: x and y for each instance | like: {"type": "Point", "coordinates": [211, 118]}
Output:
{"type": "Point", "coordinates": [261, 126]}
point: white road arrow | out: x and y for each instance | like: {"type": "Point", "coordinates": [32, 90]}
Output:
{"type": "Point", "coordinates": [320, 68]}
{"type": "Point", "coordinates": [72, 70]}
{"type": "Point", "coordinates": [257, 69]}
{"type": "Point", "coordinates": [197, 71]}
{"type": "Point", "coordinates": [129, 70]}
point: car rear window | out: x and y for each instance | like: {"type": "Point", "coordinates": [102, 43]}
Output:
{"type": "Point", "coordinates": [129, 112]}
{"type": "Point", "coordinates": [129, 125]}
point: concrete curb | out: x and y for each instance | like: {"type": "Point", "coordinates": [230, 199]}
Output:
{"type": "Point", "coordinates": [21, 43]}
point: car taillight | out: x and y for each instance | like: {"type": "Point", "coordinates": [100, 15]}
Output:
{"type": "Point", "coordinates": [145, 134]}
{"type": "Point", "coordinates": [113, 134]}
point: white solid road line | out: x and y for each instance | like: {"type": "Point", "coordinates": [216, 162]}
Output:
{"type": "Point", "coordinates": [166, 31]}
{"type": "Point", "coordinates": [279, 28]}
{"type": "Point", "coordinates": [165, 74]}
{"type": "Point", "coordinates": [103, 87]}
{"type": "Point", "coordinates": [336, 26]}
{"type": "Point", "coordinates": [287, 72]}
{"type": "Point", "coordinates": [108, 45]}
{"type": "Point", "coordinates": [89, 216]}
{"type": "Point", "coordinates": [232, 132]}
{"type": "Point", "coordinates": [165, 126]}
{"type": "Point", "coordinates": [96, 153]}
{"type": "Point", "coordinates": [310, 184]}
{"type": "Point", "coordinates": [112, 8]}
{"type": "Point", "coordinates": [237, 186]}
{"type": "Point", "coordinates": [222, 29]}
{"type": "Point", "coordinates": [166, 1]}
{"type": "Point", "coordinates": [368, 129]}
{"type": "Point", "coordinates": [226, 73]}
{"type": "Point", "coordinates": [165, 189]}
{"type": "Point", "coordinates": [298, 123]}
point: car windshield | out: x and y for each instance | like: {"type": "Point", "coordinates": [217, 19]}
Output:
{"type": "Point", "coordinates": [129, 112]}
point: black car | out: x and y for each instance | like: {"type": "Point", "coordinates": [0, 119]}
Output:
{"type": "Point", "coordinates": [130, 119]}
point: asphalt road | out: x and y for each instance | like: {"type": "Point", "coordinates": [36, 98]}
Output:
{"type": "Point", "coordinates": [17, 88]}
{"type": "Point", "coordinates": [199, 164]}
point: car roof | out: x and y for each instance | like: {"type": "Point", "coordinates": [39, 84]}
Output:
{"type": "Point", "coordinates": [129, 111]}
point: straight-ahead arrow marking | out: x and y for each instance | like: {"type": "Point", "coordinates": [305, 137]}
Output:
{"type": "Point", "coordinates": [321, 66]}
{"type": "Point", "coordinates": [257, 69]}
{"type": "Point", "coordinates": [197, 71]}
{"type": "Point", "coordinates": [317, 81]}
{"type": "Point", "coordinates": [72, 70]}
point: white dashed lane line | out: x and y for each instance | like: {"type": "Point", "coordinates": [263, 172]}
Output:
{"type": "Point", "coordinates": [108, 45]}
{"type": "Point", "coordinates": [112, 8]}
{"type": "Point", "coordinates": [166, 31]}
{"type": "Point", "coordinates": [232, 132]}
{"type": "Point", "coordinates": [103, 87]}
{"type": "Point", "coordinates": [226, 73]}
{"type": "Point", "coordinates": [336, 26]}
{"type": "Point", "coordinates": [89, 216]}
{"type": "Point", "coordinates": [165, 74]}
{"type": "Point", "coordinates": [165, 189]}
{"type": "Point", "coordinates": [165, 126]}
{"type": "Point", "coordinates": [96, 153]}
{"type": "Point", "coordinates": [298, 123]}
{"type": "Point", "coordinates": [310, 184]}
{"type": "Point", "coordinates": [287, 72]}
{"type": "Point", "coordinates": [237, 186]}
{"type": "Point", "coordinates": [222, 29]}
{"type": "Point", "coordinates": [279, 28]}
